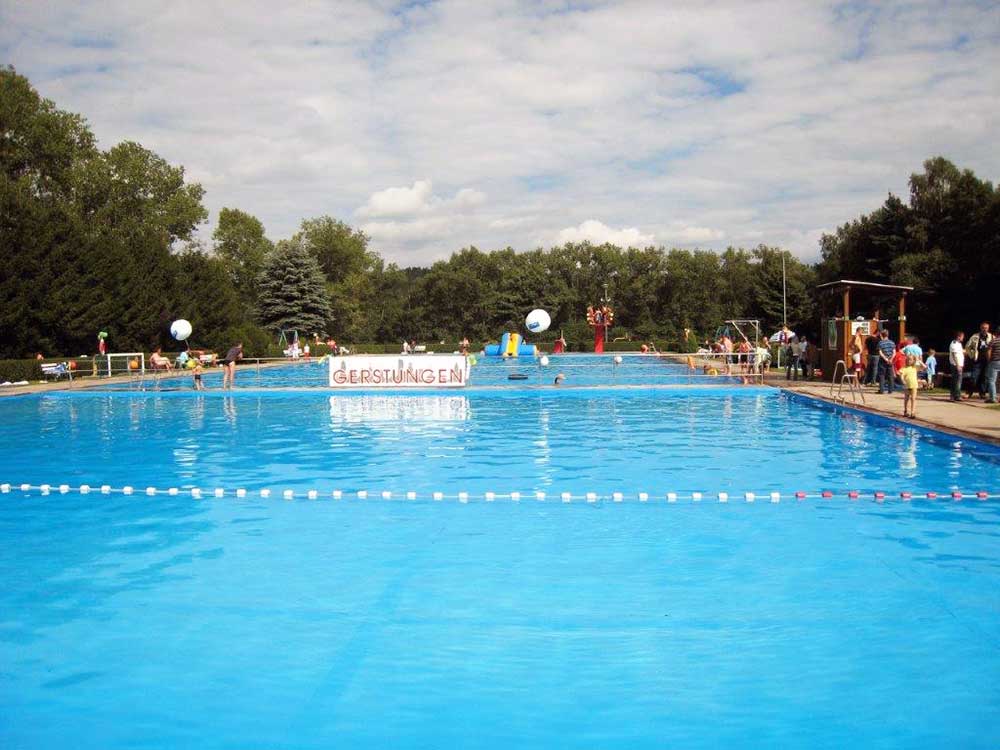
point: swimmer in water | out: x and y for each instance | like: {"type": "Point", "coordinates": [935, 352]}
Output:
{"type": "Point", "coordinates": [560, 379]}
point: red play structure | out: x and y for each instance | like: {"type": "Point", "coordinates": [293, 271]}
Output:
{"type": "Point", "coordinates": [600, 319]}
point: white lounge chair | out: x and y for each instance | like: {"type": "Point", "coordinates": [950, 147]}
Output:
{"type": "Point", "coordinates": [57, 370]}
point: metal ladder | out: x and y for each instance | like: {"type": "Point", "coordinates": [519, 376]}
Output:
{"type": "Point", "coordinates": [846, 378]}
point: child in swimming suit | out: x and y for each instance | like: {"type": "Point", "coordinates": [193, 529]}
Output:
{"type": "Point", "coordinates": [908, 375]}
{"type": "Point", "coordinates": [198, 385]}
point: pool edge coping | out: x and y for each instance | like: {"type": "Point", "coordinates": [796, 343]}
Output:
{"type": "Point", "coordinates": [923, 424]}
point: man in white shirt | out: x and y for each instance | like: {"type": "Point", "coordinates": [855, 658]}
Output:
{"type": "Point", "coordinates": [956, 357]}
{"type": "Point", "coordinates": [805, 358]}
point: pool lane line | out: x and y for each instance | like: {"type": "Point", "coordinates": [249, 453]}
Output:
{"type": "Point", "coordinates": [199, 493]}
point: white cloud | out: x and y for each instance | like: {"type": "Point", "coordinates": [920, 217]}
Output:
{"type": "Point", "coordinates": [418, 199]}
{"type": "Point", "coordinates": [401, 231]}
{"type": "Point", "coordinates": [687, 235]}
{"type": "Point", "coordinates": [398, 201]}
{"type": "Point", "coordinates": [598, 233]}
{"type": "Point", "coordinates": [699, 125]}
{"type": "Point", "coordinates": [468, 199]}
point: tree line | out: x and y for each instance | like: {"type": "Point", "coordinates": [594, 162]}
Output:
{"type": "Point", "coordinates": [944, 241]}
{"type": "Point", "coordinates": [106, 240]}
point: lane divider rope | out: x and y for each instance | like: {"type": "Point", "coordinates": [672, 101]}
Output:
{"type": "Point", "coordinates": [199, 493]}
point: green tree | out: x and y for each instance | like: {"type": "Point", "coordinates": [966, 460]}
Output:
{"type": "Point", "coordinates": [292, 291]}
{"type": "Point", "coordinates": [86, 236]}
{"type": "Point", "coordinates": [340, 251]}
{"type": "Point", "coordinates": [766, 299]}
{"type": "Point", "coordinates": [350, 269]}
{"type": "Point", "coordinates": [945, 243]}
{"type": "Point", "coordinates": [391, 311]}
{"type": "Point", "coordinates": [241, 245]}
{"type": "Point", "coordinates": [208, 300]}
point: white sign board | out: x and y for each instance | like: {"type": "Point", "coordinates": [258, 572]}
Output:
{"type": "Point", "coordinates": [396, 371]}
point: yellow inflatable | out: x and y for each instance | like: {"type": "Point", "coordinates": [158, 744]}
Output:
{"type": "Point", "coordinates": [512, 343]}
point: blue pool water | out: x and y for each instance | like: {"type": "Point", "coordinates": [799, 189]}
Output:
{"type": "Point", "coordinates": [740, 439]}
{"type": "Point", "coordinates": [528, 372]}
{"type": "Point", "coordinates": [135, 621]}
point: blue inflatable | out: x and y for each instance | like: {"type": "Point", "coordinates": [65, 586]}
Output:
{"type": "Point", "coordinates": [511, 345]}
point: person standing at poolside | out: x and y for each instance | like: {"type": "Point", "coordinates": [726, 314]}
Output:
{"type": "Point", "coordinates": [726, 347]}
{"type": "Point", "coordinates": [792, 359]}
{"type": "Point", "coordinates": [978, 353]}
{"type": "Point", "coordinates": [234, 355]}
{"type": "Point", "coordinates": [856, 367]}
{"type": "Point", "coordinates": [871, 348]}
{"type": "Point", "coordinates": [805, 358]}
{"type": "Point", "coordinates": [898, 362]}
{"type": "Point", "coordinates": [930, 368]}
{"type": "Point", "coordinates": [886, 351]}
{"type": "Point", "coordinates": [913, 347]}
{"type": "Point", "coordinates": [993, 370]}
{"type": "Point", "coordinates": [908, 376]}
{"type": "Point", "coordinates": [956, 358]}
{"type": "Point", "coordinates": [198, 385]}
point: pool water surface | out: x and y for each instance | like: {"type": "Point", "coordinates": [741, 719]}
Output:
{"type": "Point", "coordinates": [253, 622]}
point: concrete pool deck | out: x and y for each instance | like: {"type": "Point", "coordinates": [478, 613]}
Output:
{"type": "Point", "coordinates": [85, 380]}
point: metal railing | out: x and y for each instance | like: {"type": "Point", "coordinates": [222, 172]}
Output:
{"type": "Point", "coordinates": [848, 378]}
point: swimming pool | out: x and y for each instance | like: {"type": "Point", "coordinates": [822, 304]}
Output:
{"type": "Point", "coordinates": [522, 372]}
{"type": "Point", "coordinates": [166, 620]}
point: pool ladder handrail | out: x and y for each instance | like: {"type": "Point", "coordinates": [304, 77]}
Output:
{"type": "Point", "coordinates": [848, 377]}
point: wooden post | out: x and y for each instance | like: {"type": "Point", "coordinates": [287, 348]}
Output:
{"type": "Point", "coordinates": [902, 317]}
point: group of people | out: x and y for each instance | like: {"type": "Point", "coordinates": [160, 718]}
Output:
{"type": "Point", "coordinates": [190, 360]}
{"type": "Point", "coordinates": [885, 360]}
{"type": "Point", "coordinates": [798, 357]}
{"type": "Point", "coordinates": [890, 364]}
{"type": "Point", "coordinates": [976, 364]}
{"type": "Point", "coordinates": [742, 359]}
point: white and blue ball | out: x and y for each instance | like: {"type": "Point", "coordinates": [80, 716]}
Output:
{"type": "Point", "coordinates": [537, 321]}
{"type": "Point", "coordinates": [180, 329]}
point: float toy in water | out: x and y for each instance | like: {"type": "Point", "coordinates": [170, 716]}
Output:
{"type": "Point", "coordinates": [511, 345]}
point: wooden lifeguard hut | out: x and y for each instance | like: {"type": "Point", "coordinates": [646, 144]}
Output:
{"type": "Point", "coordinates": [838, 299]}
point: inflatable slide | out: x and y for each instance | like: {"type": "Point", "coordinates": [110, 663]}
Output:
{"type": "Point", "coordinates": [511, 345]}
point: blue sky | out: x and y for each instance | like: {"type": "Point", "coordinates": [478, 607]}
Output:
{"type": "Point", "coordinates": [437, 125]}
